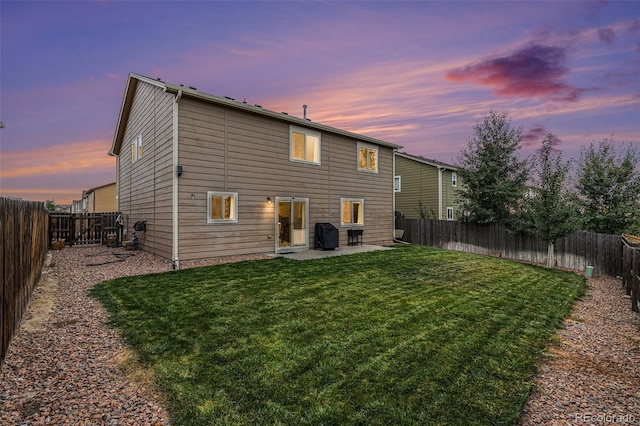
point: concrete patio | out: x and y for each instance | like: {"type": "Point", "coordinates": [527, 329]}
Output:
{"type": "Point", "coordinates": [339, 251]}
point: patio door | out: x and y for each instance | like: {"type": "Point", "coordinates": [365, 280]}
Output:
{"type": "Point", "coordinates": [292, 224]}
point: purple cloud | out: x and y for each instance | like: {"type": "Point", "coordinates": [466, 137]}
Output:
{"type": "Point", "coordinates": [607, 35]}
{"type": "Point", "coordinates": [533, 71]}
{"type": "Point", "coordinates": [534, 136]}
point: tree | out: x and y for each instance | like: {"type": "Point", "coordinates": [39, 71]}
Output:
{"type": "Point", "coordinates": [50, 205]}
{"type": "Point", "coordinates": [609, 187]}
{"type": "Point", "coordinates": [551, 206]}
{"type": "Point", "coordinates": [493, 175]}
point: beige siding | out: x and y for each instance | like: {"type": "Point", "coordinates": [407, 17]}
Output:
{"type": "Point", "coordinates": [105, 199]}
{"type": "Point", "coordinates": [145, 187]}
{"type": "Point", "coordinates": [223, 149]}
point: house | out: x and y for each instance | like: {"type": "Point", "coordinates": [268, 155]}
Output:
{"type": "Point", "coordinates": [211, 176]}
{"type": "Point", "coordinates": [101, 199]}
{"type": "Point", "coordinates": [427, 185]}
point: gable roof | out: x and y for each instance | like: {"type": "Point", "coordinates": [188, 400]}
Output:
{"type": "Point", "coordinates": [88, 191]}
{"type": "Point", "coordinates": [192, 92]}
{"type": "Point", "coordinates": [434, 163]}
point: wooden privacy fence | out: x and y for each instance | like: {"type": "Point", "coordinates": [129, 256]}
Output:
{"type": "Point", "coordinates": [83, 228]}
{"type": "Point", "coordinates": [631, 268]}
{"type": "Point", "coordinates": [576, 251]}
{"type": "Point", "coordinates": [24, 242]}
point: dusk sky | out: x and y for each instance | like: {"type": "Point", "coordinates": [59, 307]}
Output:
{"type": "Point", "coordinates": [417, 74]}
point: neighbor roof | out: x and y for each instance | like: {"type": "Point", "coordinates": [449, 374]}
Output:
{"type": "Point", "coordinates": [192, 92]}
{"type": "Point", "coordinates": [434, 163]}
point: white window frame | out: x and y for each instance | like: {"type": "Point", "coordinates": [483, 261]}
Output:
{"type": "Point", "coordinates": [454, 179]}
{"type": "Point", "coordinates": [136, 148]}
{"type": "Point", "coordinates": [397, 184]}
{"type": "Point", "coordinates": [234, 217]}
{"type": "Point", "coordinates": [351, 200]}
{"type": "Point", "coordinates": [449, 213]}
{"type": "Point", "coordinates": [368, 147]}
{"type": "Point", "coordinates": [305, 132]}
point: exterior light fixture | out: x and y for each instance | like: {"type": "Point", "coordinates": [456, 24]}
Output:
{"type": "Point", "coordinates": [179, 170]}
{"type": "Point", "coordinates": [269, 200]}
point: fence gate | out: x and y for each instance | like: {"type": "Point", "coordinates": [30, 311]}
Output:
{"type": "Point", "coordinates": [83, 228]}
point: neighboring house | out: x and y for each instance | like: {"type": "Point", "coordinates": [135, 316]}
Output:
{"type": "Point", "coordinates": [212, 176]}
{"type": "Point", "coordinates": [432, 183]}
{"type": "Point", "coordinates": [77, 205]}
{"type": "Point", "coordinates": [101, 199]}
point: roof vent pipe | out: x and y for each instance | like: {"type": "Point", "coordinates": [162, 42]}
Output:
{"type": "Point", "coordinates": [304, 112]}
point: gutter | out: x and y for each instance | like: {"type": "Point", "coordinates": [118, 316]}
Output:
{"type": "Point", "coordinates": [174, 204]}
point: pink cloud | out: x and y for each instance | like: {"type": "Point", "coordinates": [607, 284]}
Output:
{"type": "Point", "coordinates": [59, 159]}
{"type": "Point", "coordinates": [59, 172]}
{"type": "Point", "coordinates": [532, 71]}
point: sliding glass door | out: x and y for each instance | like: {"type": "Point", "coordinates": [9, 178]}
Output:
{"type": "Point", "coordinates": [292, 224]}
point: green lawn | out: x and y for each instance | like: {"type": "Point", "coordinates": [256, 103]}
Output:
{"type": "Point", "coordinates": [410, 336]}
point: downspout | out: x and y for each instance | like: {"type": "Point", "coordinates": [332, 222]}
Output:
{"type": "Point", "coordinates": [393, 188]}
{"type": "Point", "coordinates": [440, 193]}
{"type": "Point", "coordinates": [174, 215]}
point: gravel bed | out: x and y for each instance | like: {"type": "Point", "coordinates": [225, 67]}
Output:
{"type": "Point", "coordinates": [65, 366]}
{"type": "Point", "coordinates": [592, 373]}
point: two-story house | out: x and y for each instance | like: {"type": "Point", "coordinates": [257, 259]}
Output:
{"type": "Point", "coordinates": [212, 176]}
{"type": "Point", "coordinates": [101, 199]}
{"type": "Point", "coordinates": [427, 185]}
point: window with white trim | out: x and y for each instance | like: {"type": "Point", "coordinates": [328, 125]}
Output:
{"type": "Point", "coordinates": [222, 207]}
{"type": "Point", "coordinates": [454, 179]}
{"type": "Point", "coordinates": [449, 213]}
{"type": "Point", "coordinates": [136, 149]}
{"type": "Point", "coordinates": [304, 145]}
{"type": "Point", "coordinates": [351, 211]}
{"type": "Point", "coordinates": [367, 157]}
{"type": "Point", "coordinates": [397, 183]}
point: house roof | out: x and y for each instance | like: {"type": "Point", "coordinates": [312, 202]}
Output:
{"type": "Point", "coordinates": [134, 79]}
{"type": "Point", "coordinates": [427, 161]}
{"type": "Point", "coordinates": [88, 191]}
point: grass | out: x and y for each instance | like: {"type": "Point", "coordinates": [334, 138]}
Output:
{"type": "Point", "coordinates": [410, 336]}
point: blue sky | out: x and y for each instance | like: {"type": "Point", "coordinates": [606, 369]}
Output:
{"type": "Point", "coordinates": [418, 74]}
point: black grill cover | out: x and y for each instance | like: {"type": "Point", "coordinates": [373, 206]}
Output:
{"type": "Point", "coordinates": [326, 236]}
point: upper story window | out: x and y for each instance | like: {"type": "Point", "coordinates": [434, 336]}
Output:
{"type": "Point", "coordinates": [351, 211]}
{"type": "Point", "coordinates": [136, 149]}
{"type": "Point", "coordinates": [454, 179]}
{"type": "Point", "coordinates": [222, 207]}
{"type": "Point", "coordinates": [304, 145]}
{"type": "Point", "coordinates": [367, 157]}
{"type": "Point", "coordinates": [397, 183]}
